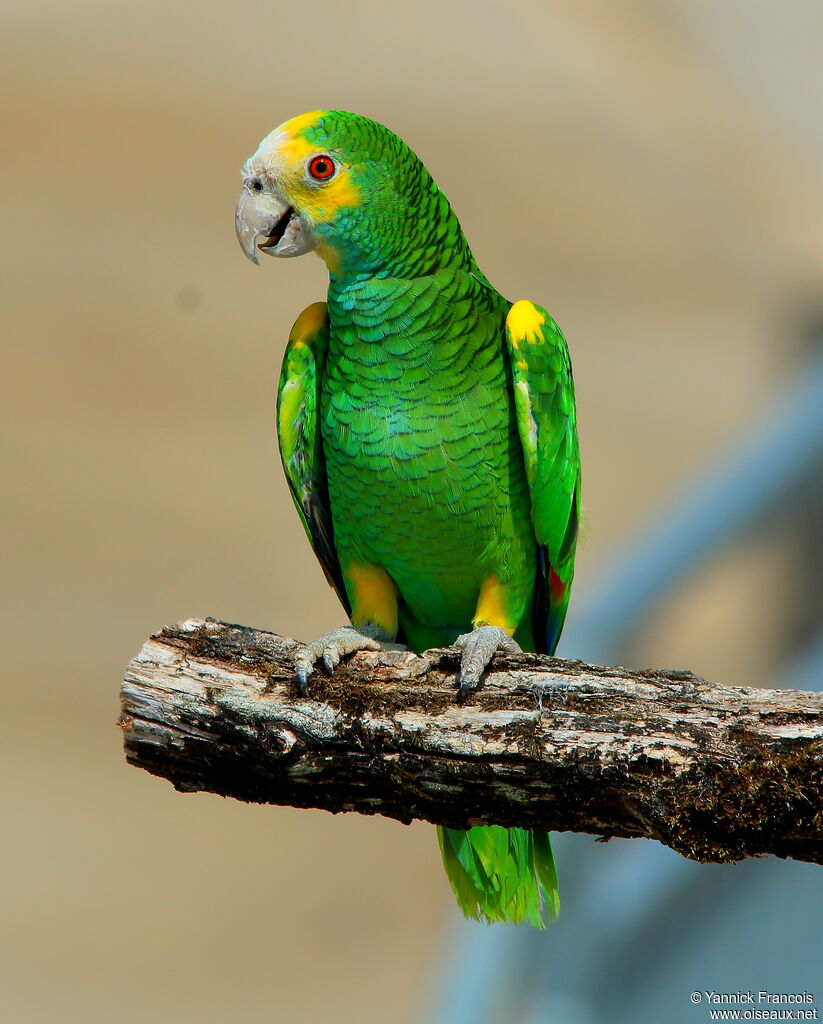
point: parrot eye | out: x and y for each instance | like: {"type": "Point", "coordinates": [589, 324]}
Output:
{"type": "Point", "coordinates": [321, 168]}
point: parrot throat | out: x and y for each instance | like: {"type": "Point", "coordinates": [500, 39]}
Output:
{"type": "Point", "coordinates": [401, 328]}
{"type": "Point", "coordinates": [396, 293]}
{"type": "Point", "coordinates": [352, 261]}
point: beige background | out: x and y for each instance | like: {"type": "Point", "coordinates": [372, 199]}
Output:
{"type": "Point", "coordinates": [649, 171]}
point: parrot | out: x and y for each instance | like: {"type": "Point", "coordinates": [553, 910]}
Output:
{"type": "Point", "coordinates": [428, 434]}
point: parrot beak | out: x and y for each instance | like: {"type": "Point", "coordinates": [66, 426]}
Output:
{"type": "Point", "coordinates": [261, 214]}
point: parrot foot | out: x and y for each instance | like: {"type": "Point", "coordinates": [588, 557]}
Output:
{"type": "Point", "coordinates": [331, 647]}
{"type": "Point", "coordinates": [477, 650]}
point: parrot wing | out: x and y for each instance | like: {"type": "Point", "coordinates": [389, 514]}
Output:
{"type": "Point", "coordinates": [546, 421]}
{"type": "Point", "coordinates": [298, 434]}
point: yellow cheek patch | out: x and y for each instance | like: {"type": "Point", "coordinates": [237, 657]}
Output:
{"type": "Point", "coordinates": [492, 606]}
{"type": "Point", "coordinates": [524, 322]}
{"type": "Point", "coordinates": [322, 202]}
{"type": "Point", "coordinates": [373, 597]}
{"type": "Point", "coordinates": [319, 202]}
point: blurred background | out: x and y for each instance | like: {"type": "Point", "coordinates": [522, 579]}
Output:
{"type": "Point", "coordinates": [650, 172]}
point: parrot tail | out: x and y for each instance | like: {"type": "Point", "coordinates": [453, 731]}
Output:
{"type": "Point", "coordinates": [501, 874]}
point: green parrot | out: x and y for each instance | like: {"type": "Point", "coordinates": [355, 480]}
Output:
{"type": "Point", "coordinates": [427, 430]}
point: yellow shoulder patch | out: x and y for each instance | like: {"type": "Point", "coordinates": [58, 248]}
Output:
{"type": "Point", "coordinates": [310, 321]}
{"type": "Point", "coordinates": [524, 322]}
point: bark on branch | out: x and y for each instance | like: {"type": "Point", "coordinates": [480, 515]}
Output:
{"type": "Point", "coordinates": [717, 773]}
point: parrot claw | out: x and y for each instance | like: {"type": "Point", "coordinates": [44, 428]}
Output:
{"type": "Point", "coordinates": [331, 647]}
{"type": "Point", "coordinates": [477, 650]}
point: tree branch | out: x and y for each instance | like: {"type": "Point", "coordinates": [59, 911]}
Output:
{"type": "Point", "coordinates": [717, 773]}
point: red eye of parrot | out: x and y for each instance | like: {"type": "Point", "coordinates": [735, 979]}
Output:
{"type": "Point", "coordinates": [321, 167]}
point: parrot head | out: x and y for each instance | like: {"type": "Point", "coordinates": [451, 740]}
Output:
{"type": "Point", "coordinates": [346, 187]}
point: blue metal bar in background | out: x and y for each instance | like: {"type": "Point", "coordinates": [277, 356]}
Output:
{"type": "Point", "coordinates": [742, 489]}
{"type": "Point", "coordinates": [806, 671]}
{"type": "Point", "coordinates": [618, 897]}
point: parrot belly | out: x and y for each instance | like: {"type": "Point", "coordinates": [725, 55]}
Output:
{"type": "Point", "coordinates": [426, 480]}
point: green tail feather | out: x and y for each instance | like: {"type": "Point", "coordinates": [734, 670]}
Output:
{"type": "Point", "coordinates": [501, 874]}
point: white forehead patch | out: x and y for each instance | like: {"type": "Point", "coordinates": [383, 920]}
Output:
{"type": "Point", "coordinates": [264, 155]}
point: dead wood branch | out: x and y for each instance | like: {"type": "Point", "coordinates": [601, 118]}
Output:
{"type": "Point", "coordinates": [717, 773]}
